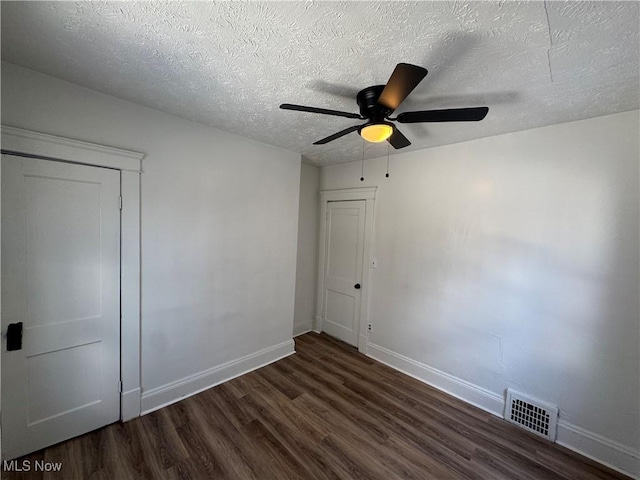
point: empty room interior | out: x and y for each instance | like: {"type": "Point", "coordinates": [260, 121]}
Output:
{"type": "Point", "coordinates": [320, 240]}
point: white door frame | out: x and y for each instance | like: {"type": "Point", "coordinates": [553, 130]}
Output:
{"type": "Point", "coordinates": [17, 141]}
{"type": "Point", "coordinates": [369, 195]}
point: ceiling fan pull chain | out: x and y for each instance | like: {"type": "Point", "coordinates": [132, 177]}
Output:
{"type": "Point", "coordinates": [388, 147]}
{"type": "Point", "coordinates": [362, 174]}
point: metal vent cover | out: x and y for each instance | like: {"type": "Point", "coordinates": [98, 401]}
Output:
{"type": "Point", "coordinates": [531, 414]}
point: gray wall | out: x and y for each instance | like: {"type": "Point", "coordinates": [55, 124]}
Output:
{"type": "Point", "coordinates": [512, 261]}
{"type": "Point", "coordinates": [307, 249]}
{"type": "Point", "coordinates": [219, 224]}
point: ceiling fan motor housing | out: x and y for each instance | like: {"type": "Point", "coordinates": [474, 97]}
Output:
{"type": "Point", "coordinates": [367, 100]}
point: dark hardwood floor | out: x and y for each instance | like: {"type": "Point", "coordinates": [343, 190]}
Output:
{"type": "Point", "coordinates": [325, 413]}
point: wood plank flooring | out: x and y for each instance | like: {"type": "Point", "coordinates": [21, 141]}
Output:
{"type": "Point", "coordinates": [325, 413]}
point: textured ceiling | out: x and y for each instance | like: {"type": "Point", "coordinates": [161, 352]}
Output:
{"type": "Point", "coordinates": [230, 65]}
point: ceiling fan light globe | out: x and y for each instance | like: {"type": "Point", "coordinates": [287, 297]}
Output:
{"type": "Point", "coordinates": [376, 133]}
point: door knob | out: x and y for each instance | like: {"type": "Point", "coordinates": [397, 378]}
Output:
{"type": "Point", "coordinates": [14, 336]}
{"type": "Point", "coordinates": [357, 286]}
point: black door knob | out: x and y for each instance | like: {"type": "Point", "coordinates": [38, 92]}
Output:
{"type": "Point", "coordinates": [14, 336]}
{"type": "Point", "coordinates": [357, 286]}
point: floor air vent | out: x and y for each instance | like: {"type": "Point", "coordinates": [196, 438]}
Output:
{"type": "Point", "coordinates": [531, 414]}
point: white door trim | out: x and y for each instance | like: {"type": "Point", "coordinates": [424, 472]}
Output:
{"type": "Point", "coordinates": [18, 141]}
{"type": "Point", "coordinates": [369, 195]}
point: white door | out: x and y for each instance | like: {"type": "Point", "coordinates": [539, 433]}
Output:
{"type": "Point", "coordinates": [343, 269]}
{"type": "Point", "coordinates": [61, 281]}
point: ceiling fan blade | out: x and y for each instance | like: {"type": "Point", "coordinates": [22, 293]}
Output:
{"type": "Point", "coordinates": [341, 133]}
{"type": "Point", "coordinates": [474, 114]}
{"type": "Point", "coordinates": [398, 140]}
{"type": "Point", "coordinates": [324, 111]}
{"type": "Point", "coordinates": [403, 80]}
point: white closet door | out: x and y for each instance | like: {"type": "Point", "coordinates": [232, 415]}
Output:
{"type": "Point", "coordinates": [61, 280]}
{"type": "Point", "coordinates": [343, 267]}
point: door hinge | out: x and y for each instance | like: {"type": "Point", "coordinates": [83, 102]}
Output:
{"type": "Point", "coordinates": [120, 386]}
{"type": "Point", "coordinates": [120, 202]}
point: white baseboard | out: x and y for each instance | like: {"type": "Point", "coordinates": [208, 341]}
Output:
{"type": "Point", "coordinates": [164, 395]}
{"type": "Point", "coordinates": [596, 447]}
{"type": "Point", "coordinates": [130, 404]}
{"type": "Point", "coordinates": [601, 449]}
{"type": "Point", "coordinates": [455, 386]}
{"type": "Point", "coordinates": [317, 326]}
{"type": "Point", "coordinates": [301, 328]}
{"type": "Point", "coordinates": [362, 344]}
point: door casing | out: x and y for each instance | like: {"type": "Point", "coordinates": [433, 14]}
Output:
{"type": "Point", "coordinates": [20, 142]}
{"type": "Point", "coordinates": [368, 194]}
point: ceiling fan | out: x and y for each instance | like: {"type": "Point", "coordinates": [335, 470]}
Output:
{"type": "Point", "coordinates": [377, 103]}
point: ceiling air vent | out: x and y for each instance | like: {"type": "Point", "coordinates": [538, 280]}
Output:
{"type": "Point", "coordinates": [531, 414]}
